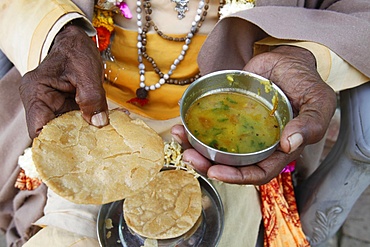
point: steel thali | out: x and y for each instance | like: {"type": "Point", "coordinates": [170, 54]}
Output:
{"type": "Point", "coordinates": [113, 231]}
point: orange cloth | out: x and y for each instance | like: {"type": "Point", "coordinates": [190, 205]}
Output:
{"type": "Point", "coordinates": [280, 215]}
{"type": "Point", "coordinates": [123, 74]}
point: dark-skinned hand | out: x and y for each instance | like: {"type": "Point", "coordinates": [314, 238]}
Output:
{"type": "Point", "coordinates": [69, 78]}
{"type": "Point", "coordinates": [293, 69]}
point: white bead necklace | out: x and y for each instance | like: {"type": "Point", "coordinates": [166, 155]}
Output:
{"type": "Point", "coordinates": [177, 61]}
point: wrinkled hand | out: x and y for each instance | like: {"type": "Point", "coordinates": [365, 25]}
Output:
{"type": "Point", "coordinates": [69, 78]}
{"type": "Point", "coordinates": [293, 70]}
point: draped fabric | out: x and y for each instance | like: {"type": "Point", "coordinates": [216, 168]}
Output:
{"type": "Point", "coordinates": [280, 215]}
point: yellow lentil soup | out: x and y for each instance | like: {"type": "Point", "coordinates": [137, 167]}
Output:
{"type": "Point", "coordinates": [232, 122]}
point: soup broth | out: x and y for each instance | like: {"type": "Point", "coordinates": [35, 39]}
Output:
{"type": "Point", "coordinates": [232, 122]}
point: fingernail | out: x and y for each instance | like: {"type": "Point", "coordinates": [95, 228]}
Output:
{"type": "Point", "coordinates": [177, 138]}
{"type": "Point", "coordinates": [295, 141]}
{"type": "Point", "coordinates": [100, 119]}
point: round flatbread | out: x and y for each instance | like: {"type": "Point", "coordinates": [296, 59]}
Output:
{"type": "Point", "coordinates": [167, 208]}
{"type": "Point", "coordinates": [91, 165]}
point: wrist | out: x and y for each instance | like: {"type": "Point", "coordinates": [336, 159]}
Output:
{"type": "Point", "coordinates": [72, 28]}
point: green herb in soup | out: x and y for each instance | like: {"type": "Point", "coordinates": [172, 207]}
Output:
{"type": "Point", "coordinates": [232, 122]}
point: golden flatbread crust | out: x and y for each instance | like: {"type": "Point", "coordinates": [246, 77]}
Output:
{"type": "Point", "coordinates": [167, 208]}
{"type": "Point", "coordinates": [91, 165]}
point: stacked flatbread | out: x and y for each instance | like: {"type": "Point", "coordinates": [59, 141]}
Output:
{"type": "Point", "coordinates": [167, 208]}
{"type": "Point", "coordinates": [85, 164]}
{"type": "Point", "coordinates": [90, 165]}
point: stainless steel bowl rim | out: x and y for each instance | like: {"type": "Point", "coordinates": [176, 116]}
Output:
{"type": "Point", "coordinates": [239, 156]}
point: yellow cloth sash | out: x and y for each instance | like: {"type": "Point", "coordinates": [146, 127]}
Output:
{"type": "Point", "coordinates": [123, 74]}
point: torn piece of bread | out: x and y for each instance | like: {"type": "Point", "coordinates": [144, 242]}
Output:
{"type": "Point", "coordinates": [91, 165]}
{"type": "Point", "coordinates": [167, 208]}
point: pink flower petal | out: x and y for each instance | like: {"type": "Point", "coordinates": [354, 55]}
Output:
{"type": "Point", "coordinates": [123, 7]}
{"type": "Point", "coordinates": [290, 167]}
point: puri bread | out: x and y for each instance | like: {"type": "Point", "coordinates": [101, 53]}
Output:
{"type": "Point", "coordinates": [167, 208]}
{"type": "Point", "coordinates": [91, 165]}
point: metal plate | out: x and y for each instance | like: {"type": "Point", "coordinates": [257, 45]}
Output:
{"type": "Point", "coordinates": [207, 232]}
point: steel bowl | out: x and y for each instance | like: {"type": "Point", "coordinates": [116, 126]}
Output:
{"type": "Point", "coordinates": [243, 82]}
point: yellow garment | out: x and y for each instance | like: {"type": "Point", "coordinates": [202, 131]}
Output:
{"type": "Point", "coordinates": [123, 75]}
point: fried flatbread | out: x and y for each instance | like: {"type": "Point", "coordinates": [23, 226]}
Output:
{"type": "Point", "coordinates": [167, 208]}
{"type": "Point", "coordinates": [91, 165]}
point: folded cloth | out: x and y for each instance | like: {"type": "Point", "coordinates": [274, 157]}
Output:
{"type": "Point", "coordinates": [56, 237]}
{"type": "Point", "coordinates": [77, 218]}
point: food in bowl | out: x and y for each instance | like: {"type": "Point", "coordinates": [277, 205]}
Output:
{"type": "Point", "coordinates": [244, 84]}
{"type": "Point", "coordinates": [232, 122]}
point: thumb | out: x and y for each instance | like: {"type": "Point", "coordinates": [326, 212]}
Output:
{"type": "Point", "coordinates": [91, 98]}
{"type": "Point", "coordinates": [94, 107]}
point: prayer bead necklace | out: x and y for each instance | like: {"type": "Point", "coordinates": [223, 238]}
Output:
{"type": "Point", "coordinates": [141, 45]}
